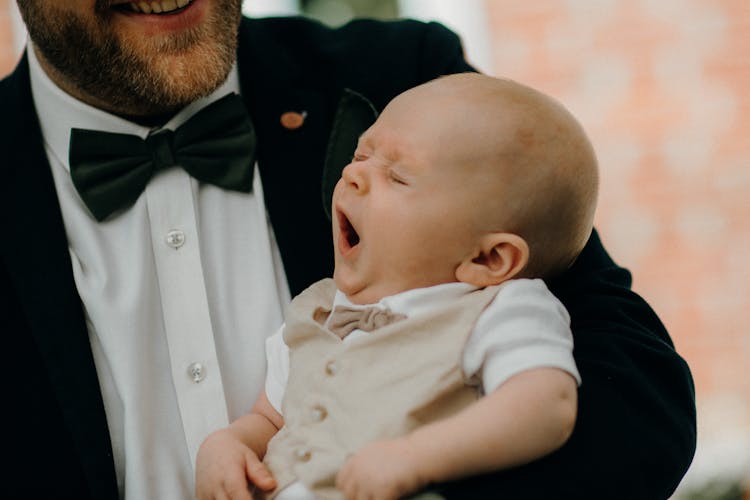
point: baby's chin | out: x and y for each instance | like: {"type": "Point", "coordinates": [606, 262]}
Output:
{"type": "Point", "coordinates": [357, 292]}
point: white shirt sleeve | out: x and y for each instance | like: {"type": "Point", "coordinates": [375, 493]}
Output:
{"type": "Point", "coordinates": [524, 327]}
{"type": "Point", "coordinates": [277, 371]}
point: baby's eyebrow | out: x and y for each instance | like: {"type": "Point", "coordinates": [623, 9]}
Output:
{"type": "Point", "coordinates": [363, 138]}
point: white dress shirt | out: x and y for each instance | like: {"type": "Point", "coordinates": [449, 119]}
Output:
{"type": "Point", "coordinates": [180, 291]}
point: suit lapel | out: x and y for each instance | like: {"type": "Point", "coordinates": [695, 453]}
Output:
{"type": "Point", "coordinates": [354, 114]}
{"type": "Point", "coordinates": [290, 161]}
{"type": "Point", "coordinates": [37, 258]}
{"type": "Point", "coordinates": [297, 183]}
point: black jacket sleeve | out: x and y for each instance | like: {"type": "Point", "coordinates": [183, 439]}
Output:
{"type": "Point", "coordinates": [635, 433]}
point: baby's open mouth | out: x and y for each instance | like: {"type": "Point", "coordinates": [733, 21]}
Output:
{"type": "Point", "coordinates": [349, 237]}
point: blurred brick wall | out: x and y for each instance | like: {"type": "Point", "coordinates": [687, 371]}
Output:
{"type": "Point", "coordinates": [663, 88]}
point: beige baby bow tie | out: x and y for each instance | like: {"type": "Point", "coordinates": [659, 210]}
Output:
{"type": "Point", "coordinates": [344, 320]}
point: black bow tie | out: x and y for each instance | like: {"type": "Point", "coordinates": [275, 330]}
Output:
{"type": "Point", "coordinates": [216, 145]}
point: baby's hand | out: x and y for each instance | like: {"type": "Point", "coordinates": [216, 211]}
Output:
{"type": "Point", "coordinates": [383, 470]}
{"type": "Point", "coordinates": [225, 466]}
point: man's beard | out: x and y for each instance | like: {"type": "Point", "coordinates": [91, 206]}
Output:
{"type": "Point", "coordinates": [134, 77]}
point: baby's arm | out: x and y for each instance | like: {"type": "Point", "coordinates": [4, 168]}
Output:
{"type": "Point", "coordinates": [528, 416]}
{"type": "Point", "coordinates": [230, 458]}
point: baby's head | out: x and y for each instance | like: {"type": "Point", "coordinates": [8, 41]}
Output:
{"type": "Point", "coordinates": [465, 178]}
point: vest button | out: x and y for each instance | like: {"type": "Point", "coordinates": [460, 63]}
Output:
{"type": "Point", "coordinates": [332, 368]}
{"type": "Point", "coordinates": [302, 454]}
{"type": "Point", "coordinates": [318, 413]}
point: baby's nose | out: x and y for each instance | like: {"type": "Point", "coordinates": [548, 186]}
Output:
{"type": "Point", "coordinates": [355, 175]}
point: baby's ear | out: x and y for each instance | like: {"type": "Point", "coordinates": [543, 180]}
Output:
{"type": "Point", "coordinates": [499, 257]}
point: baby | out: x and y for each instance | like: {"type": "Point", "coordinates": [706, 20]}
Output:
{"type": "Point", "coordinates": [464, 193]}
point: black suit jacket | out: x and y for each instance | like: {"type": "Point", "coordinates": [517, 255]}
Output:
{"type": "Point", "coordinates": [635, 434]}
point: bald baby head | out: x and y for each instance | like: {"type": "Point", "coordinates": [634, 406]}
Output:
{"type": "Point", "coordinates": [527, 158]}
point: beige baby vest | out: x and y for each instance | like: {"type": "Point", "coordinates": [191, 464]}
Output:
{"type": "Point", "coordinates": [340, 396]}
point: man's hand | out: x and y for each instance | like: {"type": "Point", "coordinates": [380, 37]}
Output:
{"type": "Point", "coordinates": [383, 470]}
{"type": "Point", "coordinates": [225, 467]}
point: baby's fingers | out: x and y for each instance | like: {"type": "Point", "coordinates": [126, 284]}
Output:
{"type": "Point", "coordinates": [346, 481]}
{"type": "Point", "coordinates": [258, 474]}
{"type": "Point", "coordinates": [235, 488]}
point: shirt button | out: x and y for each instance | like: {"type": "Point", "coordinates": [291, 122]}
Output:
{"type": "Point", "coordinates": [332, 368]}
{"type": "Point", "coordinates": [318, 413]}
{"type": "Point", "coordinates": [302, 454]}
{"type": "Point", "coordinates": [175, 238]}
{"type": "Point", "coordinates": [196, 372]}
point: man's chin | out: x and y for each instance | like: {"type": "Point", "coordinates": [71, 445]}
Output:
{"type": "Point", "coordinates": [174, 80]}
{"type": "Point", "coordinates": [156, 87]}
{"type": "Point", "coordinates": [177, 58]}
{"type": "Point", "coordinates": [166, 72]}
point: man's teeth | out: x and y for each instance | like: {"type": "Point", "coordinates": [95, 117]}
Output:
{"type": "Point", "coordinates": [158, 6]}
